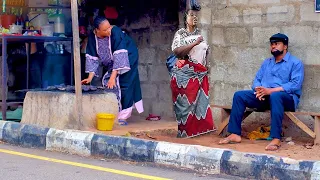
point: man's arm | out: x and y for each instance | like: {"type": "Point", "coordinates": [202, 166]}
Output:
{"type": "Point", "coordinates": [258, 78]}
{"type": "Point", "coordinates": [296, 79]}
{"type": "Point", "coordinates": [295, 83]}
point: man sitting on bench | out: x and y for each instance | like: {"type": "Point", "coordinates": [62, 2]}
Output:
{"type": "Point", "coordinates": [277, 86]}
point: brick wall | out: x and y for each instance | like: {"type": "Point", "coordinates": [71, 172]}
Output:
{"type": "Point", "coordinates": [238, 33]}
{"type": "Point", "coordinates": [153, 32]}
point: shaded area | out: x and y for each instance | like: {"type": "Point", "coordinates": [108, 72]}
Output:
{"type": "Point", "coordinates": [134, 10]}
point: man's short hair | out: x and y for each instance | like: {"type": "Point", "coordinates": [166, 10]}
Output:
{"type": "Point", "coordinates": [279, 38]}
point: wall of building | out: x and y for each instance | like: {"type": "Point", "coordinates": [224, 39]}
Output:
{"type": "Point", "coordinates": [238, 32]}
{"type": "Point", "coordinates": [153, 33]}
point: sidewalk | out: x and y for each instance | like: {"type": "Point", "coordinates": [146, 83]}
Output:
{"type": "Point", "coordinates": [165, 130]}
{"type": "Point", "coordinates": [151, 148]}
{"type": "Point", "coordinates": [138, 124]}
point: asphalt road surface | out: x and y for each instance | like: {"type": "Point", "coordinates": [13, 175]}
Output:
{"type": "Point", "coordinates": [17, 163]}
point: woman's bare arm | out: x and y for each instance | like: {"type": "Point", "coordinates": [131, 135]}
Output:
{"type": "Point", "coordinates": [182, 51]}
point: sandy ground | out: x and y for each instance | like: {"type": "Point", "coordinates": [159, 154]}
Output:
{"type": "Point", "coordinates": [165, 130]}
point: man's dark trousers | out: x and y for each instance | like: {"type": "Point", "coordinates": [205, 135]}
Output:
{"type": "Point", "coordinates": [277, 102]}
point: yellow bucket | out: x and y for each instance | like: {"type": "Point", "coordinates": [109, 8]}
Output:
{"type": "Point", "coordinates": [105, 121]}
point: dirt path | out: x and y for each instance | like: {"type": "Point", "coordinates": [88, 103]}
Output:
{"type": "Point", "coordinates": [297, 151]}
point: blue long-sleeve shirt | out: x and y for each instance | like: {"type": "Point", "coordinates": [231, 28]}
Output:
{"type": "Point", "coordinates": [288, 74]}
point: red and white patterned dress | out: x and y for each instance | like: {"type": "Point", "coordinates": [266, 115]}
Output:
{"type": "Point", "coordinates": [190, 88]}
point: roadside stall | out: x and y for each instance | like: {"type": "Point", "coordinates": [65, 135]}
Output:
{"type": "Point", "coordinates": [41, 52]}
{"type": "Point", "coordinates": [36, 40]}
{"type": "Point", "coordinates": [40, 38]}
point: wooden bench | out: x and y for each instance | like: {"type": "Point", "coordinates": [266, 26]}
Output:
{"type": "Point", "coordinates": [226, 110]}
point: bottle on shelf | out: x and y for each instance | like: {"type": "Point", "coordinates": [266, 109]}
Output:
{"type": "Point", "coordinates": [21, 21]}
{"type": "Point", "coordinates": [26, 23]}
{"type": "Point", "coordinates": [17, 20]}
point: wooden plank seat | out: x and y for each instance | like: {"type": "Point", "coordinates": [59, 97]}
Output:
{"type": "Point", "coordinates": [315, 134]}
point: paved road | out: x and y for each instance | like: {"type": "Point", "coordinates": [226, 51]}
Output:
{"type": "Point", "coordinates": [17, 163]}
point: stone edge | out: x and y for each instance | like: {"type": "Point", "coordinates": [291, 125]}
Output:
{"type": "Point", "coordinates": [198, 158]}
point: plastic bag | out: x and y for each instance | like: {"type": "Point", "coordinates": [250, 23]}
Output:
{"type": "Point", "coordinates": [171, 61]}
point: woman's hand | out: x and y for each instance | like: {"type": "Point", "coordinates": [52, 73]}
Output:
{"type": "Point", "coordinates": [182, 51]}
{"type": "Point", "coordinates": [89, 79]}
{"type": "Point", "coordinates": [180, 63]}
{"type": "Point", "coordinates": [199, 40]}
{"type": "Point", "coordinates": [86, 81]}
{"type": "Point", "coordinates": [111, 83]}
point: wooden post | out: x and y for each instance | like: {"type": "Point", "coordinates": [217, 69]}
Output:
{"type": "Point", "coordinates": [317, 130]}
{"type": "Point", "coordinates": [77, 62]}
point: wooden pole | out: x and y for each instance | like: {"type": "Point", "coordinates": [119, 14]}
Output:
{"type": "Point", "coordinates": [317, 130]}
{"type": "Point", "coordinates": [77, 62]}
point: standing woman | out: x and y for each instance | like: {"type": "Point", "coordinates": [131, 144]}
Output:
{"type": "Point", "coordinates": [189, 80]}
{"type": "Point", "coordinates": [117, 52]}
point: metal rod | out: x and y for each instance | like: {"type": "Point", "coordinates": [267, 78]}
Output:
{"type": "Point", "coordinates": [28, 64]}
{"type": "Point", "coordinates": [4, 79]}
{"type": "Point", "coordinates": [71, 64]}
{"type": "Point", "coordinates": [12, 103]}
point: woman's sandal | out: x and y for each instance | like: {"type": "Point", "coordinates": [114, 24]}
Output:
{"type": "Point", "coordinates": [122, 122]}
{"type": "Point", "coordinates": [153, 117]}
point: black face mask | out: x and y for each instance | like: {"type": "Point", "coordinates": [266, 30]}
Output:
{"type": "Point", "coordinates": [276, 53]}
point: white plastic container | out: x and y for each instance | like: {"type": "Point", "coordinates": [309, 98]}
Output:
{"type": "Point", "coordinates": [38, 19]}
{"type": "Point", "coordinates": [47, 30]}
{"type": "Point", "coordinates": [59, 23]}
{"type": "Point", "coordinates": [15, 29]}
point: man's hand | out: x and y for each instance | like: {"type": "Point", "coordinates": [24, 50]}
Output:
{"type": "Point", "coordinates": [259, 96]}
{"type": "Point", "coordinates": [264, 91]}
{"type": "Point", "coordinates": [261, 92]}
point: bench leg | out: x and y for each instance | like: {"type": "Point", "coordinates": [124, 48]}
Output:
{"type": "Point", "coordinates": [317, 130]}
{"type": "Point", "coordinates": [225, 115]}
{"type": "Point", "coordinates": [300, 124]}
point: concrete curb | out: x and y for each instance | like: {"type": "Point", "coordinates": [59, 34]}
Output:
{"type": "Point", "coordinates": [194, 157]}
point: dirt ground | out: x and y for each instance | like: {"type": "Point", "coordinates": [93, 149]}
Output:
{"type": "Point", "coordinates": [297, 151]}
{"type": "Point", "coordinates": [166, 130]}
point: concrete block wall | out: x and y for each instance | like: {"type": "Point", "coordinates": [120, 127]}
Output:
{"type": "Point", "coordinates": [153, 33]}
{"type": "Point", "coordinates": [238, 32]}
